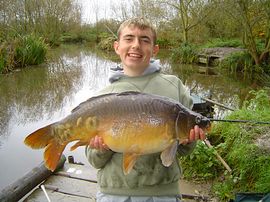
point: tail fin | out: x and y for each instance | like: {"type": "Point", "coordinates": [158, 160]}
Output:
{"type": "Point", "coordinates": [40, 138]}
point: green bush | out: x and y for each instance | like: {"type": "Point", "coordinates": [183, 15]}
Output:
{"type": "Point", "coordinates": [186, 54]}
{"type": "Point", "coordinates": [239, 145]}
{"type": "Point", "coordinates": [22, 51]}
{"type": "Point", "coordinates": [223, 43]}
{"type": "Point", "coordinates": [106, 44]}
{"type": "Point", "coordinates": [71, 38]}
{"type": "Point", "coordinates": [7, 54]}
{"type": "Point", "coordinates": [241, 149]}
{"type": "Point", "coordinates": [237, 62]}
{"type": "Point", "coordinates": [164, 43]}
{"type": "Point", "coordinates": [201, 164]}
{"type": "Point", "coordinates": [31, 50]}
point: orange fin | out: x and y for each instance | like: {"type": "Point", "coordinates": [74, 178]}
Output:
{"type": "Point", "coordinates": [52, 154]}
{"type": "Point", "coordinates": [168, 155]}
{"type": "Point", "coordinates": [78, 144]}
{"type": "Point", "coordinates": [40, 138]}
{"type": "Point", "coordinates": [129, 160]}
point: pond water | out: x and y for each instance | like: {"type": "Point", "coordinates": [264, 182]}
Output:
{"type": "Point", "coordinates": [40, 95]}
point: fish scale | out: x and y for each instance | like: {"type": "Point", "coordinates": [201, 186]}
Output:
{"type": "Point", "coordinates": [131, 123]}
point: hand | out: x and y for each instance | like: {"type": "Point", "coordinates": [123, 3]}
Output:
{"type": "Point", "coordinates": [195, 133]}
{"type": "Point", "coordinates": [98, 143]}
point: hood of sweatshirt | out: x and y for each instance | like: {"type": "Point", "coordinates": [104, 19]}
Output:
{"type": "Point", "coordinates": [117, 72]}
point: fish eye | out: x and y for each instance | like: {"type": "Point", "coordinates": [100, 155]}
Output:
{"type": "Point", "coordinates": [198, 120]}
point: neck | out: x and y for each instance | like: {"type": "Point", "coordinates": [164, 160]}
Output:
{"type": "Point", "coordinates": [134, 71]}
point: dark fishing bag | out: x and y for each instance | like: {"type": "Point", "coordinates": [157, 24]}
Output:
{"type": "Point", "coordinates": [252, 197]}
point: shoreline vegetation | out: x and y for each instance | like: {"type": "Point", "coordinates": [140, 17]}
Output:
{"type": "Point", "coordinates": [38, 26]}
{"type": "Point", "coordinates": [244, 147]}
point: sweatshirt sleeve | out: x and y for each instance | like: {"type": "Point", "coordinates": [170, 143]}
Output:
{"type": "Point", "coordinates": [186, 99]}
{"type": "Point", "coordinates": [184, 95]}
{"type": "Point", "coordinates": [184, 150]}
{"type": "Point", "coordinates": [96, 158]}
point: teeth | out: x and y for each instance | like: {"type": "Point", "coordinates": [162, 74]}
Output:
{"type": "Point", "coordinates": [134, 55]}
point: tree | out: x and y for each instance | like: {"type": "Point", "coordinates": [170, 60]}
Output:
{"type": "Point", "coordinates": [253, 17]}
{"type": "Point", "coordinates": [190, 13]}
{"type": "Point", "coordinates": [43, 17]}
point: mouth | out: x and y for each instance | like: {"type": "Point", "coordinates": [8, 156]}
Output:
{"type": "Point", "coordinates": [134, 55]}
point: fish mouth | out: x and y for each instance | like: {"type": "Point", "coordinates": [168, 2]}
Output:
{"type": "Point", "coordinates": [208, 127]}
{"type": "Point", "coordinates": [204, 123]}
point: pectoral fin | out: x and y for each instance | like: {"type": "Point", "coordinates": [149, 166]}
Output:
{"type": "Point", "coordinates": [78, 144]}
{"type": "Point", "coordinates": [129, 160]}
{"type": "Point", "coordinates": [167, 156]}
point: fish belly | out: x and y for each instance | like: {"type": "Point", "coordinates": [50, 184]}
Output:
{"type": "Point", "coordinates": [137, 137]}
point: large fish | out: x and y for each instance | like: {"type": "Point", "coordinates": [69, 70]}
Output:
{"type": "Point", "coordinates": [132, 123]}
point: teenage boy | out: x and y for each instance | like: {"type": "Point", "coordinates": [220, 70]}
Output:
{"type": "Point", "coordinates": [149, 180]}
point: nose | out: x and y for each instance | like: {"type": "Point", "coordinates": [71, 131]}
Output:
{"type": "Point", "coordinates": [136, 43]}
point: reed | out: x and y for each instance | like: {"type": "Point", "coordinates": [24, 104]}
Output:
{"type": "Point", "coordinates": [185, 53]}
{"type": "Point", "coordinates": [31, 50]}
{"type": "Point", "coordinates": [21, 51]}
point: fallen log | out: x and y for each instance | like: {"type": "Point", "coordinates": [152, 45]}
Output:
{"type": "Point", "coordinates": [29, 181]}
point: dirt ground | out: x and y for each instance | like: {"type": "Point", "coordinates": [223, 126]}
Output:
{"type": "Point", "coordinates": [221, 52]}
{"type": "Point", "coordinates": [189, 188]}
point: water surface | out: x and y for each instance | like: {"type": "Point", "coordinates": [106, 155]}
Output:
{"type": "Point", "coordinates": [40, 95]}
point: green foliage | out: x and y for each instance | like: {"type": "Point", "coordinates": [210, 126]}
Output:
{"type": "Point", "coordinates": [7, 54]}
{"type": "Point", "coordinates": [201, 164]}
{"type": "Point", "coordinates": [243, 151]}
{"type": "Point", "coordinates": [31, 50]}
{"type": "Point", "coordinates": [106, 41]}
{"type": "Point", "coordinates": [164, 43]}
{"type": "Point", "coordinates": [107, 44]}
{"type": "Point", "coordinates": [238, 62]}
{"type": "Point", "coordinates": [22, 51]}
{"type": "Point", "coordinates": [219, 42]}
{"type": "Point", "coordinates": [71, 38]}
{"type": "Point", "coordinates": [186, 54]}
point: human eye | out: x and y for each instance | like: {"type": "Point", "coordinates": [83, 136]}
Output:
{"type": "Point", "coordinates": [146, 40]}
{"type": "Point", "coordinates": [128, 38]}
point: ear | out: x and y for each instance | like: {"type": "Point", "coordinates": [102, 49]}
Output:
{"type": "Point", "coordinates": [155, 50]}
{"type": "Point", "coordinates": [116, 46]}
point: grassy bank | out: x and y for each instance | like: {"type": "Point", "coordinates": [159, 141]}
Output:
{"type": "Point", "coordinates": [21, 51]}
{"type": "Point", "coordinates": [245, 147]}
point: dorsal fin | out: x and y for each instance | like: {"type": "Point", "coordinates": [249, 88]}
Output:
{"type": "Point", "coordinates": [103, 95]}
{"type": "Point", "coordinates": [90, 100]}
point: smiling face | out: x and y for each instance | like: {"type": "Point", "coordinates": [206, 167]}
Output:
{"type": "Point", "coordinates": [135, 47]}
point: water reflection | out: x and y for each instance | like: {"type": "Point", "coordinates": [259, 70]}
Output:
{"type": "Point", "coordinates": [217, 87]}
{"type": "Point", "coordinates": [40, 95]}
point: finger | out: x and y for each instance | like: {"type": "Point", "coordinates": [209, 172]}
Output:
{"type": "Point", "coordinates": [184, 142]}
{"type": "Point", "coordinates": [202, 135]}
{"type": "Point", "coordinates": [197, 132]}
{"type": "Point", "coordinates": [91, 143]}
{"type": "Point", "coordinates": [101, 144]}
{"type": "Point", "coordinates": [105, 146]}
{"type": "Point", "coordinates": [191, 135]}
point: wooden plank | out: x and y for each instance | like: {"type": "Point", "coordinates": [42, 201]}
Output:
{"type": "Point", "coordinates": [73, 182]}
{"type": "Point", "coordinates": [24, 185]}
{"type": "Point", "coordinates": [203, 60]}
{"type": "Point", "coordinates": [39, 196]}
{"type": "Point", "coordinates": [77, 171]}
{"type": "Point", "coordinates": [72, 186]}
{"type": "Point", "coordinates": [66, 187]}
